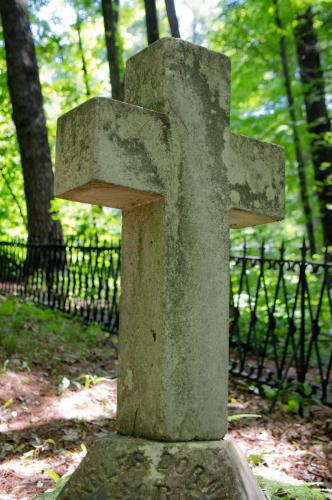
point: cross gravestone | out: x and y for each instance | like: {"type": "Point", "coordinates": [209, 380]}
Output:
{"type": "Point", "coordinates": [168, 159]}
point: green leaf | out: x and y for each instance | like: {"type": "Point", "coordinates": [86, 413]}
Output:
{"type": "Point", "coordinates": [232, 418]}
{"type": "Point", "coordinates": [269, 392]}
{"type": "Point", "coordinates": [292, 405]}
{"type": "Point", "coordinates": [52, 474]}
{"type": "Point", "coordinates": [256, 459]}
{"type": "Point", "coordinates": [8, 403]}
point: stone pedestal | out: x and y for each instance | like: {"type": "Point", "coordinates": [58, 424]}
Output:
{"type": "Point", "coordinates": [127, 468]}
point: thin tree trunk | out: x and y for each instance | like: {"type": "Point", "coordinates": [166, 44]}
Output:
{"type": "Point", "coordinates": [172, 18]}
{"type": "Point", "coordinates": [84, 65]}
{"type": "Point", "coordinates": [13, 195]}
{"type": "Point", "coordinates": [29, 118]}
{"type": "Point", "coordinates": [194, 28]}
{"type": "Point", "coordinates": [318, 121]}
{"type": "Point", "coordinates": [111, 20]}
{"type": "Point", "coordinates": [151, 19]}
{"type": "Point", "coordinates": [301, 167]}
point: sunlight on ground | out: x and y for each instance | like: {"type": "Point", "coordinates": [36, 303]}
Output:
{"type": "Point", "coordinates": [33, 402]}
{"type": "Point", "coordinates": [55, 429]}
{"type": "Point", "coordinates": [57, 397]}
{"type": "Point", "coordinates": [97, 402]}
{"type": "Point", "coordinates": [261, 447]}
{"type": "Point", "coordinates": [46, 430]}
{"type": "Point", "coordinates": [31, 473]}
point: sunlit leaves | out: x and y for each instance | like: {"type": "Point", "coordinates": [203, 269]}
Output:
{"type": "Point", "coordinates": [246, 31]}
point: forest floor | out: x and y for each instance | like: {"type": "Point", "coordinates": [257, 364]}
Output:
{"type": "Point", "coordinates": [58, 394]}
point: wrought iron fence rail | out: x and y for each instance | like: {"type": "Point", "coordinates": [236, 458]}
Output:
{"type": "Point", "coordinates": [280, 309]}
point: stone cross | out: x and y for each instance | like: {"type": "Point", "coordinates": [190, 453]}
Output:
{"type": "Point", "coordinates": [168, 159]}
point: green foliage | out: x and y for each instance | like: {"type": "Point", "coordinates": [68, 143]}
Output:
{"type": "Point", "coordinates": [240, 416]}
{"type": "Point", "coordinates": [274, 490]}
{"type": "Point", "coordinates": [90, 380]}
{"type": "Point", "coordinates": [244, 30]}
{"type": "Point", "coordinates": [256, 458]}
{"type": "Point", "coordinates": [35, 334]}
{"type": "Point", "coordinates": [295, 396]}
{"type": "Point", "coordinates": [53, 493]}
{"type": "Point", "coordinates": [12, 206]}
{"type": "Point", "coordinates": [9, 344]}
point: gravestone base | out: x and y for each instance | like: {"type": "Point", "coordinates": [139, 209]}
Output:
{"type": "Point", "coordinates": [128, 468]}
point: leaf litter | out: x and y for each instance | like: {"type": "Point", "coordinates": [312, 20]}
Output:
{"type": "Point", "coordinates": [54, 404]}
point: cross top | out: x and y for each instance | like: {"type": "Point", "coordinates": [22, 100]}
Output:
{"type": "Point", "coordinates": [167, 157]}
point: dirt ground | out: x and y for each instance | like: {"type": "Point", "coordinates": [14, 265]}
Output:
{"type": "Point", "coordinates": [54, 405]}
{"type": "Point", "coordinates": [44, 429]}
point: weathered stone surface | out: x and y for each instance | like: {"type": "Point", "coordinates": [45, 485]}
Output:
{"type": "Point", "coordinates": [127, 468]}
{"type": "Point", "coordinates": [182, 179]}
{"type": "Point", "coordinates": [256, 175]}
{"type": "Point", "coordinates": [109, 153]}
{"type": "Point", "coordinates": [191, 86]}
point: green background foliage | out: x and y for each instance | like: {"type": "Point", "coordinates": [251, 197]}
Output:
{"type": "Point", "coordinates": [244, 30]}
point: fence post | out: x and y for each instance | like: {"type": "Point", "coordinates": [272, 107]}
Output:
{"type": "Point", "coordinates": [302, 374]}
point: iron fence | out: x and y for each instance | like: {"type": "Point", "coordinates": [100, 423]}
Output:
{"type": "Point", "coordinates": [281, 321]}
{"type": "Point", "coordinates": [78, 278]}
{"type": "Point", "coordinates": [280, 309]}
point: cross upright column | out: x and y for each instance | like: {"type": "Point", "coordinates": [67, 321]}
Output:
{"type": "Point", "coordinates": [174, 320]}
{"type": "Point", "coordinates": [174, 310]}
{"type": "Point", "coordinates": [168, 159]}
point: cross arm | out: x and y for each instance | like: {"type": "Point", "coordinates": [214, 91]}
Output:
{"type": "Point", "coordinates": [256, 174]}
{"type": "Point", "coordinates": [111, 153]}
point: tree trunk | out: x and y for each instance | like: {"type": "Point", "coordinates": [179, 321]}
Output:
{"type": "Point", "coordinates": [301, 167]}
{"type": "Point", "coordinates": [111, 19]}
{"type": "Point", "coordinates": [84, 66]}
{"type": "Point", "coordinates": [318, 121]}
{"type": "Point", "coordinates": [172, 18]}
{"type": "Point", "coordinates": [151, 19]}
{"type": "Point", "coordinates": [29, 118]}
